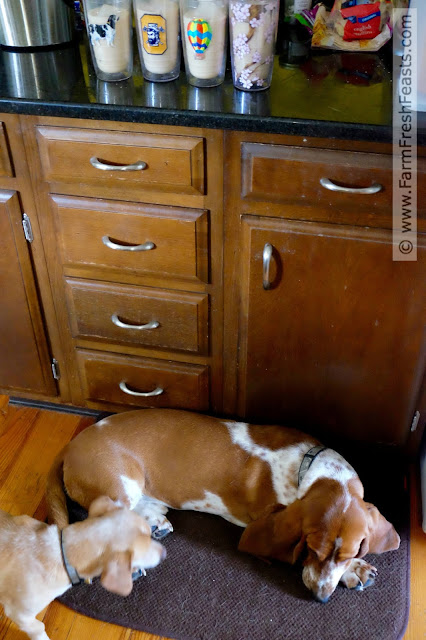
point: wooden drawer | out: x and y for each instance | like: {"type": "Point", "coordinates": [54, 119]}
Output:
{"type": "Point", "coordinates": [173, 163]}
{"type": "Point", "coordinates": [89, 229]}
{"type": "Point", "coordinates": [5, 160]}
{"type": "Point", "coordinates": [95, 310]}
{"type": "Point", "coordinates": [184, 386]}
{"type": "Point", "coordinates": [292, 175]}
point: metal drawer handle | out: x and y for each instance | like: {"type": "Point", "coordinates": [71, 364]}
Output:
{"type": "Point", "coordinates": [146, 246]}
{"type": "Point", "coordinates": [141, 394]}
{"type": "Point", "coordinates": [123, 325]}
{"type": "Point", "coordinates": [137, 166]}
{"type": "Point", "coordinates": [267, 255]}
{"type": "Point", "coordinates": [331, 186]}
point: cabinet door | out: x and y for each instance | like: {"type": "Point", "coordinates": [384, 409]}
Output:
{"type": "Point", "coordinates": [24, 360]}
{"type": "Point", "coordinates": [337, 342]}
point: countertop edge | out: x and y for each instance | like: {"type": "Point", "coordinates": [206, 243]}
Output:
{"type": "Point", "coordinates": [204, 119]}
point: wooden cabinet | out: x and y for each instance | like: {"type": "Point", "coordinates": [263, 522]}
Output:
{"type": "Point", "coordinates": [132, 230]}
{"type": "Point", "coordinates": [336, 340]}
{"type": "Point", "coordinates": [25, 361]}
{"type": "Point", "coordinates": [270, 296]}
{"type": "Point", "coordinates": [330, 329]}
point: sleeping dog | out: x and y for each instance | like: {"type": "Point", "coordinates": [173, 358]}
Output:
{"type": "Point", "coordinates": [291, 494]}
{"type": "Point", "coordinates": [38, 562]}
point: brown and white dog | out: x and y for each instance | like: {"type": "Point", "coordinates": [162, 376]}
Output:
{"type": "Point", "coordinates": [39, 563]}
{"type": "Point", "coordinates": [290, 494]}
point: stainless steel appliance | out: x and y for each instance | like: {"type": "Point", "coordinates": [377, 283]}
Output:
{"type": "Point", "coordinates": [36, 23]}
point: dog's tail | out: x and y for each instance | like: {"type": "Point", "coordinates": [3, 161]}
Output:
{"type": "Point", "coordinates": [57, 511]}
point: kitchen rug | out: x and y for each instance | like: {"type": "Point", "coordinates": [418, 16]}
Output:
{"type": "Point", "coordinates": [207, 590]}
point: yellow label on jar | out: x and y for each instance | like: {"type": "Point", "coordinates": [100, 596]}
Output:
{"type": "Point", "coordinates": [154, 34]}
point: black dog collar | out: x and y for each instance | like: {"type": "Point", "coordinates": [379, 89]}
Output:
{"type": "Point", "coordinates": [71, 571]}
{"type": "Point", "coordinates": [307, 461]}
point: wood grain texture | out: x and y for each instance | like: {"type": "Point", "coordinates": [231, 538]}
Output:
{"type": "Point", "coordinates": [416, 629]}
{"type": "Point", "coordinates": [6, 168]}
{"type": "Point", "coordinates": [184, 204]}
{"type": "Point", "coordinates": [173, 163]}
{"type": "Point", "coordinates": [319, 347]}
{"type": "Point", "coordinates": [24, 359]}
{"type": "Point", "coordinates": [33, 264]}
{"type": "Point", "coordinates": [23, 446]}
{"type": "Point", "coordinates": [301, 351]}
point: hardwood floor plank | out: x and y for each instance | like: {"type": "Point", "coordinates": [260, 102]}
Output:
{"type": "Point", "coordinates": [141, 635]}
{"type": "Point", "coordinates": [59, 621]}
{"type": "Point", "coordinates": [416, 629]}
{"type": "Point", "coordinates": [84, 628]}
{"type": "Point", "coordinates": [4, 406]}
{"type": "Point", "coordinates": [33, 452]}
{"type": "Point", "coordinates": [15, 429]}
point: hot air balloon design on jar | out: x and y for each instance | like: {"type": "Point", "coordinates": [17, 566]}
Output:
{"type": "Point", "coordinates": [200, 34]}
{"type": "Point", "coordinates": [204, 31]}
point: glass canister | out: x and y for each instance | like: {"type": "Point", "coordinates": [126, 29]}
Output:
{"type": "Point", "coordinates": [204, 39]}
{"type": "Point", "coordinates": [253, 32]}
{"type": "Point", "coordinates": [158, 32]}
{"type": "Point", "coordinates": [109, 28]}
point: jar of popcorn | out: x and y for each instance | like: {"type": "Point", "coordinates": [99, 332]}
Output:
{"type": "Point", "coordinates": [253, 32]}
{"type": "Point", "coordinates": [109, 28]}
{"type": "Point", "coordinates": [158, 33]}
{"type": "Point", "coordinates": [204, 39]}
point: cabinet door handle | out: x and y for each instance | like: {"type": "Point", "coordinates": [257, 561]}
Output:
{"type": "Point", "coordinates": [123, 325]}
{"type": "Point", "coordinates": [141, 394]}
{"type": "Point", "coordinates": [267, 256]}
{"type": "Point", "coordinates": [332, 186]}
{"type": "Point", "coordinates": [137, 166]}
{"type": "Point", "coordinates": [146, 246]}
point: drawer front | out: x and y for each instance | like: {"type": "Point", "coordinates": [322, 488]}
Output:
{"type": "Point", "coordinates": [293, 175]}
{"type": "Point", "coordinates": [184, 386]}
{"type": "Point", "coordinates": [169, 163]}
{"type": "Point", "coordinates": [110, 235]}
{"type": "Point", "coordinates": [5, 159]}
{"type": "Point", "coordinates": [138, 316]}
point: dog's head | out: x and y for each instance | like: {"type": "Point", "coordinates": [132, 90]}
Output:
{"type": "Point", "coordinates": [112, 20]}
{"type": "Point", "coordinates": [127, 545]}
{"type": "Point", "coordinates": [329, 527]}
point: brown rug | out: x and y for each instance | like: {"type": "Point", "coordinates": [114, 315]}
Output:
{"type": "Point", "coordinates": [207, 590]}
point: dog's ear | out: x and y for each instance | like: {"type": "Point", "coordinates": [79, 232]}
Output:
{"type": "Point", "coordinates": [277, 533]}
{"type": "Point", "coordinates": [102, 505]}
{"type": "Point", "coordinates": [381, 533]}
{"type": "Point", "coordinates": [117, 576]}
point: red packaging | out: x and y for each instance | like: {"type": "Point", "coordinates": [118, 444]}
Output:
{"type": "Point", "coordinates": [362, 22]}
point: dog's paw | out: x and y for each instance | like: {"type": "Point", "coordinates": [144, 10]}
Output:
{"type": "Point", "coordinates": [138, 574]}
{"type": "Point", "coordinates": [160, 531]}
{"type": "Point", "coordinates": [359, 575]}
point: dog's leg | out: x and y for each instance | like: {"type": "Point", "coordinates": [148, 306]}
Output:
{"type": "Point", "coordinates": [154, 512]}
{"type": "Point", "coordinates": [29, 624]}
{"type": "Point", "coordinates": [359, 575]}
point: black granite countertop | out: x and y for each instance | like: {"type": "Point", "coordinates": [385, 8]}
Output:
{"type": "Point", "coordinates": [331, 95]}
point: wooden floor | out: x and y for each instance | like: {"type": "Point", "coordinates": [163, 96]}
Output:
{"type": "Point", "coordinates": [30, 439]}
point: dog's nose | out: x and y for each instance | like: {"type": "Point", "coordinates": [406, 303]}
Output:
{"type": "Point", "coordinates": [321, 599]}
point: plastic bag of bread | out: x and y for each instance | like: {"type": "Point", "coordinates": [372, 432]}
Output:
{"type": "Point", "coordinates": [353, 25]}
